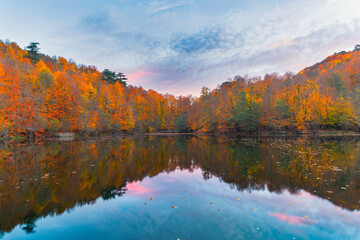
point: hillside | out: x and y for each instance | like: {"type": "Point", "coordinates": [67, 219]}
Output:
{"type": "Point", "coordinates": [323, 96]}
{"type": "Point", "coordinates": [40, 94]}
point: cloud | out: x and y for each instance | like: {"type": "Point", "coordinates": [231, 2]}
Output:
{"type": "Point", "coordinates": [181, 45]}
{"type": "Point", "coordinates": [100, 24]}
{"type": "Point", "coordinates": [157, 7]}
{"type": "Point", "coordinates": [203, 41]}
{"type": "Point", "coordinates": [141, 75]}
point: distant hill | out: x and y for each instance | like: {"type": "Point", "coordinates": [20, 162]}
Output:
{"type": "Point", "coordinates": [320, 97]}
{"type": "Point", "coordinates": [344, 63]}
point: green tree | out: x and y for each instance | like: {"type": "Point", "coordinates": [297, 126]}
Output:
{"type": "Point", "coordinates": [337, 82]}
{"type": "Point", "coordinates": [181, 123]}
{"type": "Point", "coordinates": [113, 77]}
{"type": "Point", "coordinates": [281, 113]}
{"type": "Point", "coordinates": [33, 52]}
{"type": "Point", "coordinates": [246, 115]}
{"type": "Point", "coordinates": [208, 119]}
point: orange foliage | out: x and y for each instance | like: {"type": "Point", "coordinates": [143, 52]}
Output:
{"type": "Point", "coordinates": [58, 95]}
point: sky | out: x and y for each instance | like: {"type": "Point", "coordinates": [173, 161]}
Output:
{"type": "Point", "coordinates": [179, 46]}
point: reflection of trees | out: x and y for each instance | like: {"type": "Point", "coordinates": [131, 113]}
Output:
{"type": "Point", "coordinates": [112, 192]}
{"type": "Point", "coordinates": [41, 180]}
{"type": "Point", "coordinates": [28, 223]}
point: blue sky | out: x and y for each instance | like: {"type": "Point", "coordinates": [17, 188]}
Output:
{"type": "Point", "coordinates": [181, 45]}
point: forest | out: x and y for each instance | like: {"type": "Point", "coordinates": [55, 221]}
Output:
{"type": "Point", "coordinates": [40, 94]}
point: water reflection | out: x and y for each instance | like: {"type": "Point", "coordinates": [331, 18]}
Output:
{"type": "Point", "coordinates": [51, 178]}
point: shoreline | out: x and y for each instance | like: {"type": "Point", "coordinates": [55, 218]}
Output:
{"type": "Point", "coordinates": [258, 135]}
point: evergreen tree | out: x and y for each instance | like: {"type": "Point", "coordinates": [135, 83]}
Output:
{"type": "Point", "coordinates": [113, 77]}
{"type": "Point", "coordinates": [33, 52]}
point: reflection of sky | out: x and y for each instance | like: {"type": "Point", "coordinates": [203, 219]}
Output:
{"type": "Point", "coordinates": [256, 214]}
{"type": "Point", "coordinates": [178, 46]}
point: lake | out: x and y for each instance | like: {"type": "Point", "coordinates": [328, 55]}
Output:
{"type": "Point", "coordinates": [181, 187]}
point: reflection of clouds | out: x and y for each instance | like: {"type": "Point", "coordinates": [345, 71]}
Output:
{"type": "Point", "coordinates": [307, 195]}
{"type": "Point", "coordinates": [293, 211]}
{"type": "Point", "coordinates": [137, 188]}
{"type": "Point", "coordinates": [293, 220]}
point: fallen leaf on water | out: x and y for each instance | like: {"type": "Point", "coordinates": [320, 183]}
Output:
{"type": "Point", "coordinates": [257, 228]}
{"type": "Point", "coordinates": [254, 209]}
{"type": "Point", "coordinates": [184, 197]}
{"type": "Point", "coordinates": [173, 206]}
{"type": "Point", "coordinates": [218, 210]}
{"type": "Point", "coordinates": [151, 199]}
{"type": "Point", "coordinates": [310, 223]}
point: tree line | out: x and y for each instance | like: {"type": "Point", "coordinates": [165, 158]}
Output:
{"type": "Point", "coordinates": [40, 94]}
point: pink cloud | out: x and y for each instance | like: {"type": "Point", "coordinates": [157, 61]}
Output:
{"type": "Point", "coordinates": [292, 220]}
{"type": "Point", "coordinates": [137, 189]}
{"type": "Point", "coordinates": [140, 75]}
{"type": "Point", "coordinates": [284, 43]}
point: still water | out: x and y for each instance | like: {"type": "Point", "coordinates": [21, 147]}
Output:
{"type": "Point", "coordinates": [181, 187]}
